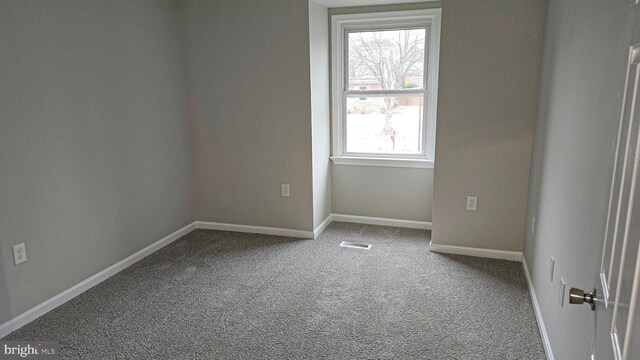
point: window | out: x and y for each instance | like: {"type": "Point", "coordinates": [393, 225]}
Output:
{"type": "Point", "coordinates": [362, 98]}
{"type": "Point", "coordinates": [385, 73]}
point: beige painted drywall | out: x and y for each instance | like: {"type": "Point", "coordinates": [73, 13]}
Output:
{"type": "Point", "coordinates": [250, 111]}
{"type": "Point", "coordinates": [489, 64]}
{"type": "Point", "coordinates": [320, 111]}
{"type": "Point", "coordinates": [582, 81]}
{"type": "Point", "coordinates": [387, 192]}
{"type": "Point", "coordinates": [94, 146]}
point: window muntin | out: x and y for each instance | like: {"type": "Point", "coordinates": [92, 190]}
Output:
{"type": "Point", "coordinates": [385, 82]}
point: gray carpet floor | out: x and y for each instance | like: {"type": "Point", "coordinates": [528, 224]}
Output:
{"type": "Point", "coordinates": [226, 295]}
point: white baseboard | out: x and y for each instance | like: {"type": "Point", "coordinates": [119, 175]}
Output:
{"type": "Point", "coordinates": [381, 221]}
{"type": "Point", "coordinates": [61, 298]}
{"type": "Point", "coordinates": [469, 251]}
{"type": "Point", "coordinates": [52, 303]}
{"type": "Point", "coordinates": [536, 310]}
{"type": "Point", "coordinates": [322, 226]}
{"type": "Point", "coordinates": [255, 229]}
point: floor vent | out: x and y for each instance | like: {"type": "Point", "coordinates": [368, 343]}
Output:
{"type": "Point", "coordinates": [355, 245]}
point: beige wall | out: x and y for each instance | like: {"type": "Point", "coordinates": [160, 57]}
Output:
{"type": "Point", "coordinates": [489, 64]}
{"type": "Point", "coordinates": [250, 111]}
{"type": "Point", "coordinates": [320, 111]}
{"type": "Point", "coordinates": [94, 149]}
{"type": "Point", "coordinates": [387, 192]}
{"type": "Point", "coordinates": [582, 80]}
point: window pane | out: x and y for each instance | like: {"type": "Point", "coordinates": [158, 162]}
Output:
{"type": "Point", "coordinates": [386, 60]}
{"type": "Point", "coordinates": [384, 125]}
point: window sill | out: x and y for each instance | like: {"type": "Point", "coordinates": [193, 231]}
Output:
{"type": "Point", "coordinates": [405, 163]}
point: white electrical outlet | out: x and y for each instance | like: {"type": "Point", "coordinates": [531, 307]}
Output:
{"type": "Point", "coordinates": [19, 254]}
{"type": "Point", "coordinates": [563, 289]}
{"type": "Point", "coordinates": [285, 190]}
{"type": "Point", "coordinates": [472, 203]}
{"type": "Point", "coordinates": [553, 267]}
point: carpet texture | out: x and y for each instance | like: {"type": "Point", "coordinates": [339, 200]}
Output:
{"type": "Point", "coordinates": [226, 295]}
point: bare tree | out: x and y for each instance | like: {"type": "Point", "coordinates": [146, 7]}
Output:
{"type": "Point", "coordinates": [388, 57]}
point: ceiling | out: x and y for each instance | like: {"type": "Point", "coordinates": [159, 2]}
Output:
{"type": "Point", "coordinates": [345, 3]}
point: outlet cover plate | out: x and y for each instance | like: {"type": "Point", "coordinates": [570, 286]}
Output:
{"type": "Point", "coordinates": [19, 254]}
{"type": "Point", "coordinates": [472, 203]}
{"type": "Point", "coordinates": [285, 190]}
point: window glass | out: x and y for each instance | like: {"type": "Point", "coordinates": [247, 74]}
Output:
{"type": "Point", "coordinates": [386, 60]}
{"type": "Point", "coordinates": [384, 124]}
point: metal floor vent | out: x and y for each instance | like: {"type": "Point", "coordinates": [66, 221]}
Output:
{"type": "Point", "coordinates": [355, 245]}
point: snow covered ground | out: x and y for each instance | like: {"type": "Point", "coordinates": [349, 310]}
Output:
{"type": "Point", "coordinates": [365, 132]}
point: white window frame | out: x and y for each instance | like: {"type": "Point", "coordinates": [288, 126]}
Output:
{"type": "Point", "coordinates": [341, 25]}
